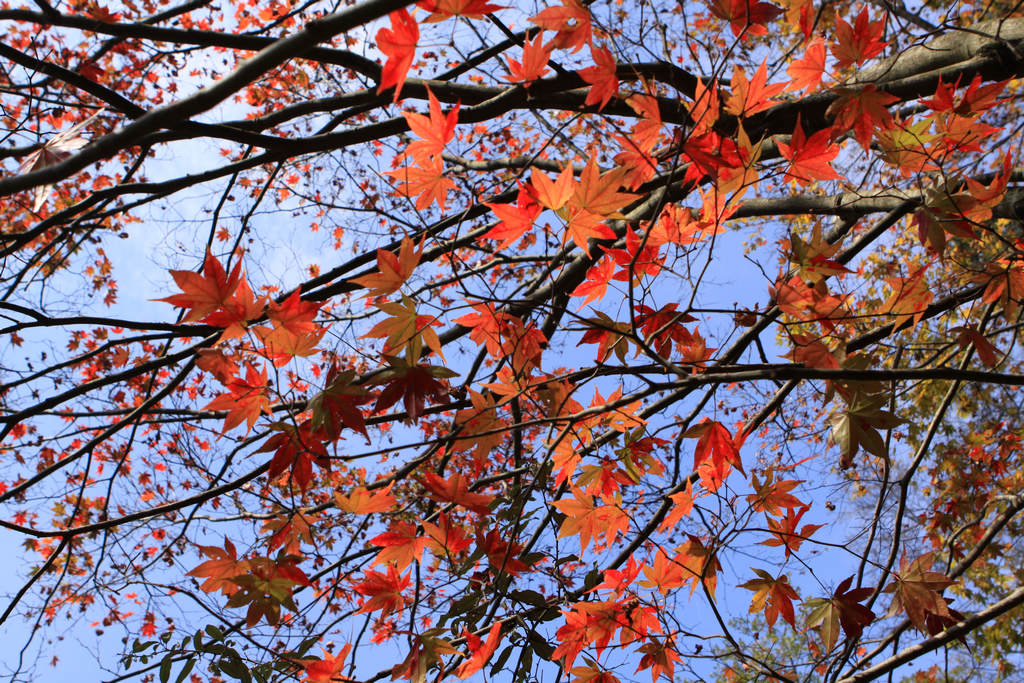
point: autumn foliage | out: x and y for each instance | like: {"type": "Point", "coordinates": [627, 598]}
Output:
{"type": "Point", "coordinates": [362, 341]}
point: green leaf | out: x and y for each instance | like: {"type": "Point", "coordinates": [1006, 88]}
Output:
{"type": "Point", "coordinates": [540, 644]}
{"type": "Point", "coordinates": [532, 598]}
{"type": "Point", "coordinates": [165, 669]}
{"type": "Point", "coordinates": [502, 658]}
{"type": "Point", "coordinates": [185, 670]}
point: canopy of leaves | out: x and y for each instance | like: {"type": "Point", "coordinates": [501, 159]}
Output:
{"type": "Point", "coordinates": [352, 341]}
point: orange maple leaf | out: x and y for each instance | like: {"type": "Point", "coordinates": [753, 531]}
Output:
{"type": "Point", "coordinates": [917, 590]}
{"type": "Point", "coordinates": [534, 63]}
{"type": "Point", "coordinates": [361, 501]}
{"type": "Point", "coordinates": [281, 345]}
{"type": "Point", "coordinates": [426, 181]}
{"type": "Point", "coordinates": [445, 9]}
{"type": "Point", "coordinates": [682, 506]}
{"type": "Point", "coordinates": [204, 293]}
{"type": "Point", "coordinates": [446, 538]}
{"type": "Point", "coordinates": [481, 652]}
{"type": "Point", "coordinates": [221, 568]}
{"type": "Point", "coordinates": [406, 329]}
{"type": "Point", "coordinates": [218, 364]}
{"type": "Point", "coordinates": [401, 544]}
{"type": "Point", "coordinates": [598, 192]}
{"type": "Point", "coordinates": [553, 194]}
{"type": "Point", "coordinates": [858, 43]}
{"type": "Point", "coordinates": [392, 269]}
{"type": "Point", "coordinates": [660, 657]}
{"type": "Point", "coordinates": [808, 71]}
{"type": "Point", "coordinates": [582, 226]}
{"type": "Point", "coordinates": [750, 97]}
{"type": "Point", "coordinates": [327, 669]}
{"type": "Point", "coordinates": [436, 130]}
{"type": "Point", "coordinates": [244, 400]}
{"type": "Point", "coordinates": [772, 497]}
{"type": "Point", "coordinates": [910, 298]}
{"type": "Point", "coordinates": [399, 44]}
{"type": "Point", "coordinates": [479, 428]}
{"type": "Point", "coordinates": [587, 520]}
{"type": "Point", "coordinates": [571, 21]}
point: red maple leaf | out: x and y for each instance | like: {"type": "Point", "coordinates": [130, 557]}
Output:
{"type": "Point", "coordinates": [238, 310]}
{"type": "Point", "coordinates": [976, 99]}
{"type": "Point", "coordinates": [295, 450]}
{"type": "Point", "coordinates": [745, 16]}
{"type": "Point", "coordinates": [843, 608]}
{"type": "Point", "coordinates": [413, 384]}
{"type": "Point", "coordinates": [862, 110]}
{"type": "Point", "coordinates": [786, 532]}
{"type": "Point", "coordinates": [774, 596]}
{"type": "Point", "coordinates": [456, 490]}
{"type": "Point", "coordinates": [604, 83]}
{"type": "Point", "coordinates": [294, 314]}
{"type": "Point", "coordinates": [337, 405]}
{"type": "Point", "coordinates": [715, 446]}
{"type": "Point", "coordinates": [384, 591]}
{"type": "Point", "coordinates": [809, 157]}
{"type": "Point", "coordinates": [596, 283]}
{"type": "Point", "coordinates": [516, 219]}
{"type": "Point", "coordinates": [401, 544]}
{"type": "Point", "coordinates": [502, 555]}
